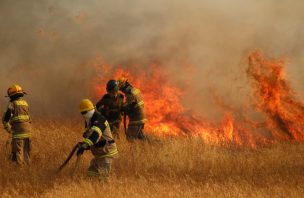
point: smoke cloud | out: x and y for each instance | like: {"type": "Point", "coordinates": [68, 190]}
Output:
{"type": "Point", "coordinates": [48, 46]}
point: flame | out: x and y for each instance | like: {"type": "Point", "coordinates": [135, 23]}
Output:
{"type": "Point", "coordinates": [276, 99]}
{"type": "Point", "coordinates": [168, 117]}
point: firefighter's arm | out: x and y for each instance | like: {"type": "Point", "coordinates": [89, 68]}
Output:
{"type": "Point", "coordinates": [99, 105]}
{"type": "Point", "coordinates": [91, 137]}
{"type": "Point", "coordinates": [130, 103]}
{"type": "Point", "coordinates": [6, 118]}
{"type": "Point", "coordinates": [127, 106]}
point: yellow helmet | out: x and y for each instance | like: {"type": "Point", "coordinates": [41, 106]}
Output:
{"type": "Point", "coordinates": [15, 89]}
{"type": "Point", "coordinates": [122, 81]}
{"type": "Point", "coordinates": [86, 105]}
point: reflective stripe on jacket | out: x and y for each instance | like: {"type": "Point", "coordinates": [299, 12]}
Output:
{"type": "Point", "coordinates": [99, 138]}
{"type": "Point", "coordinates": [20, 111]}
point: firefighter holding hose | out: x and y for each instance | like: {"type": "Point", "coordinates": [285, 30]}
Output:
{"type": "Point", "coordinates": [97, 138]}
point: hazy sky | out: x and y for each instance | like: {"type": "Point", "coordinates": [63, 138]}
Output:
{"type": "Point", "coordinates": [47, 46]}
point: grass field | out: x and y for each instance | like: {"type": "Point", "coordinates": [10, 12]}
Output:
{"type": "Point", "coordinates": [167, 168]}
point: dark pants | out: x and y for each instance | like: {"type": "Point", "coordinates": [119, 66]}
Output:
{"type": "Point", "coordinates": [21, 151]}
{"type": "Point", "coordinates": [135, 132]}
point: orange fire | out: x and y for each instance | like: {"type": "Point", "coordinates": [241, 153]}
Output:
{"type": "Point", "coordinates": [168, 117]}
{"type": "Point", "coordinates": [276, 99]}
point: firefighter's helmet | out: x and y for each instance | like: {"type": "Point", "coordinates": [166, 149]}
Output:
{"type": "Point", "coordinates": [122, 81]}
{"type": "Point", "coordinates": [86, 105]}
{"type": "Point", "coordinates": [14, 90]}
{"type": "Point", "coordinates": [112, 85]}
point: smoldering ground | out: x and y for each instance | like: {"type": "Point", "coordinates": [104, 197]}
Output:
{"type": "Point", "coordinates": [48, 46]}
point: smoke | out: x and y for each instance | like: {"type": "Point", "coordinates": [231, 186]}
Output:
{"type": "Point", "coordinates": [49, 46]}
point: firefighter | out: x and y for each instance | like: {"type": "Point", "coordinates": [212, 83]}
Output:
{"type": "Point", "coordinates": [110, 106]}
{"type": "Point", "coordinates": [16, 120]}
{"type": "Point", "coordinates": [97, 138]}
{"type": "Point", "coordinates": [134, 109]}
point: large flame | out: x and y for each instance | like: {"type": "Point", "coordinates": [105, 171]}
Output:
{"type": "Point", "coordinates": [168, 117]}
{"type": "Point", "coordinates": [276, 99]}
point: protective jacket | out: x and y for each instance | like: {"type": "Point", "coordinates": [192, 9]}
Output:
{"type": "Point", "coordinates": [98, 137]}
{"type": "Point", "coordinates": [17, 118]}
{"type": "Point", "coordinates": [134, 106]}
{"type": "Point", "coordinates": [111, 107]}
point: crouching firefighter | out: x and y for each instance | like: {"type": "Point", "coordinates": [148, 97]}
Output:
{"type": "Point", "coordinates": [16, 120]}
{"type": "Point", "coordinates": [110, 106]}
{"type": "Point", "coordinates": [97, 138]}
{"type": "Point", "coordinates": [134, 109]}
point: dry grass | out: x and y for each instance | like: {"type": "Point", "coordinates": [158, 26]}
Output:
{"type": "Point", "coordinates": [171, 168]}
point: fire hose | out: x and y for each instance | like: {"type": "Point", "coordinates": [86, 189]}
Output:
{"type": "Point", "coordinates": [68, 158]}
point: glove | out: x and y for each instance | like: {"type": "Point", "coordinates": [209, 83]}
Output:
{"type": "Point", "coordinates": [83, 146]}
{"type": "Point", "coordinates": [85, 134]}
{"type": "Point", "coordinates": [7, 127]}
